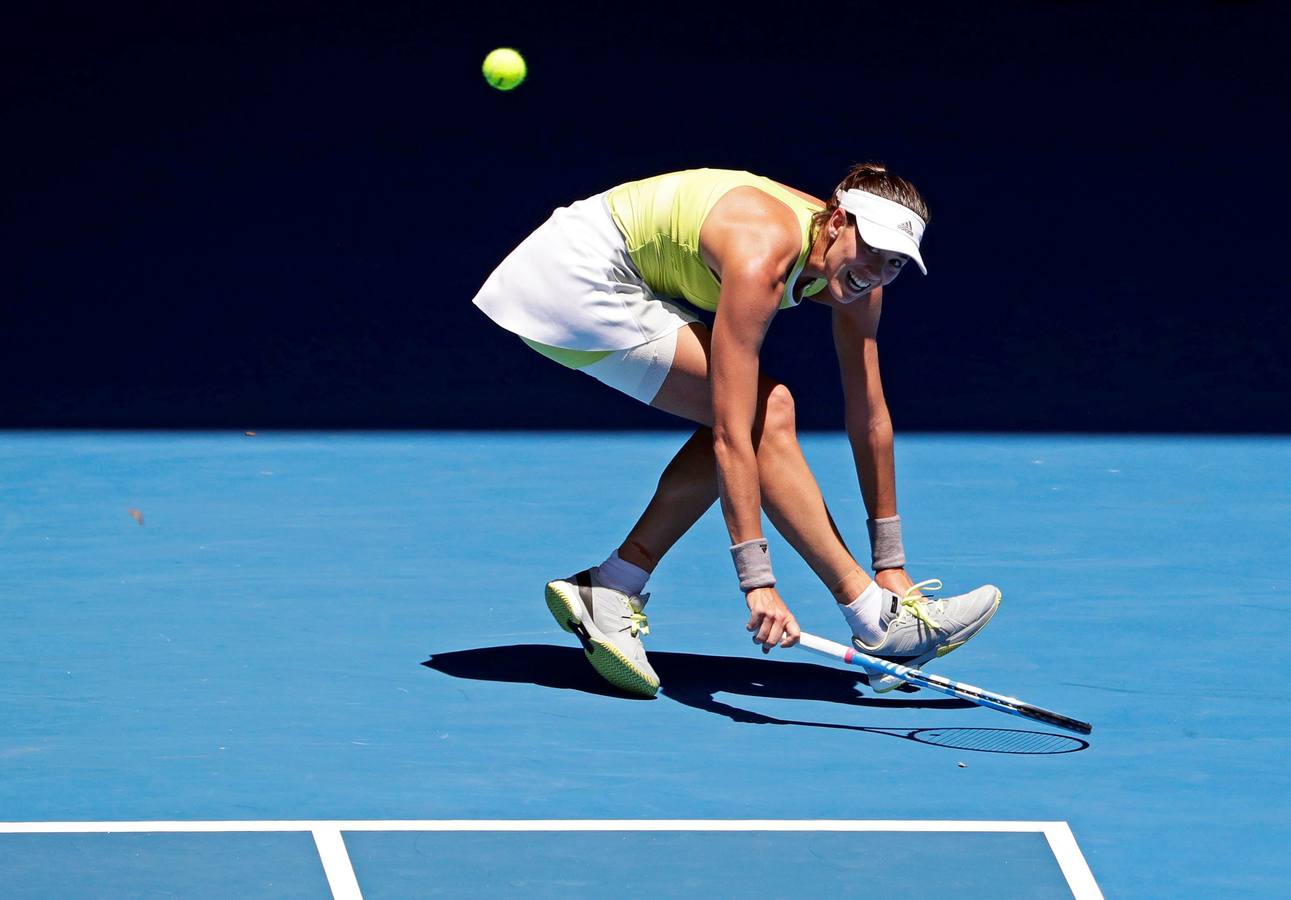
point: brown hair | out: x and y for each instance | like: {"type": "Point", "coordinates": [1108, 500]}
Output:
{"type": "Point", "coordinates": [875, 178]}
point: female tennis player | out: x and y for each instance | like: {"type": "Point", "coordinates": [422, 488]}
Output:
{"type": "Point", "coordinates": [595, 289]}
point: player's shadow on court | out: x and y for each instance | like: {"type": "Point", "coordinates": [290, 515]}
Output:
{"type": "Point", "coordinates": [695, 680]}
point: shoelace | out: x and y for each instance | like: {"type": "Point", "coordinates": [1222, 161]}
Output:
{"type": "Point", "coordinates": [636, 619]}
{"type": "Point", "coordinates": [916, 602]}
{"type": "Point", "coordinates": [637, 622]}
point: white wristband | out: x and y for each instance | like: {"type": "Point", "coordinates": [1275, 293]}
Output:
{"type": "Point", "coordinates": [753, 564]}
{"type": "Point", "coordinates": [885, 543]}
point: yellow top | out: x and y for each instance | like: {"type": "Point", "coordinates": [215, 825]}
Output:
{"type": "Point", "coordinates": [661, 217]}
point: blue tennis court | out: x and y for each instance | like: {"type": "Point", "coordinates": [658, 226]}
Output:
{"type": "Point", "coordinates": [308, 664]}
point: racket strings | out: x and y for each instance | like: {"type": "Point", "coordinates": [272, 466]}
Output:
{"type": "Point", "coordinates": [999, 740]}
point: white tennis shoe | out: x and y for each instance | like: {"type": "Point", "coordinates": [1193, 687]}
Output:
{"type": "Point", "coordinates": [609, 624]}
{"type": "Point", "coordinates": [919, 628]}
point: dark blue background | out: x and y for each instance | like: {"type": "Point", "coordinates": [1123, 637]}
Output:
{"type": "Point", "coordinates": [276, 216]}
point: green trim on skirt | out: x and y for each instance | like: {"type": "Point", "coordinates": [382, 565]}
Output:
{"type": "Point", "coordinates": [571, 359]}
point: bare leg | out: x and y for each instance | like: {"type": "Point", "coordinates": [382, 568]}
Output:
{"type": "Point", "coordinates": [688, 486]}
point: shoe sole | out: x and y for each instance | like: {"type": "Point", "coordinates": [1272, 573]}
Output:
{"type": "Point", "coordinates": [943, 650]}
{"type": "Point", "coordinates": [606, 659]}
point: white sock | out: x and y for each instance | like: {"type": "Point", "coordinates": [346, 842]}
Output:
{"type": "Point", "coordinates": [621, 575]}
{"type": "Point", "coordinates": [862, 614]}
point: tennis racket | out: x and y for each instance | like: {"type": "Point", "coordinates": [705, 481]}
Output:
{"type": "Point", "coordinates": [981, 697]}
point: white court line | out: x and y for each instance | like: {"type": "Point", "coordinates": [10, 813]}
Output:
{"type": "Point", "coordinates": [529, 825]}
{"type": "Point", "coordinates": [336, 864]}
{"type": "Point", "coordinates": [340, 873]}
{"type": "Point", "coordinates": [1072, 862]}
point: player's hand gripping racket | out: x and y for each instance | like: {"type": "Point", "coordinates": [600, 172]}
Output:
{"type": "Point", "coordinates": [1010, 705]}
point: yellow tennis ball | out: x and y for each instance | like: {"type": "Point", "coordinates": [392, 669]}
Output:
{"type": "Point", "coordinates": [504, 68]}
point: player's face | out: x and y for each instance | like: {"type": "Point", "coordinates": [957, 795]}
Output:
{"type": "Point", "coordinates": [853, 268]}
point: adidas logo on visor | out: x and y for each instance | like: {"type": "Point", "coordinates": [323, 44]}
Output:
{"type": "Point", "coordinates": [907, 228]}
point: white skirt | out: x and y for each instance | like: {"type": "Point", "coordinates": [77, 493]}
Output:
{"type": "Point", "coordinates": [571, 284]}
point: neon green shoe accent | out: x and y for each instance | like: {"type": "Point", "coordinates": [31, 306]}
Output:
{"type": "Point", "coordinates": [562, 609]}
{"type": "Point", "coordinates": [615, 668]}
{"type": "Point", "coordinates": [606, 659]}
{"type": "Point", "coordinates": [640, 624]}
{"type": "Point", "coordinates": [946, 648]}
{"type": "Point", "coordinates": [914, 601]}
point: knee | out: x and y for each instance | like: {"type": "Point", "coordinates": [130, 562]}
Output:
{"type": "Point", "coordinates": [779, 418]}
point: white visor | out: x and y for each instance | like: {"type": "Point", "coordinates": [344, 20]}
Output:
{"type": "Point", "coordinates": [885, 224]}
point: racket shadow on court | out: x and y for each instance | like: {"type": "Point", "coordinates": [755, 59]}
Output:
{"type": "Point", "coordinates": [695, 680]}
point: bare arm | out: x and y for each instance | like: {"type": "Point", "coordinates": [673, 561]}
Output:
{"type": "Point", "coordinates": [748, 302]}
{"type": "Point", "coordinates": [751, 244]}
{"type": "Point", "coordinates": [869, 427]}
{"type": "Point", "coordinates": [750, 240]}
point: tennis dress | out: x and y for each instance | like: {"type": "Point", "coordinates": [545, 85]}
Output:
{"type": "Point", "coordinates": [597, 273]}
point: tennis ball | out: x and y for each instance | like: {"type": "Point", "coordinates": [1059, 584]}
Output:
{"type": "Point", "coordinates": [504, 68]}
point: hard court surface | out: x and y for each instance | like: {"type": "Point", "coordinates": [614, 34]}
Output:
{"type": "Point", "coordinates": [306, 665]}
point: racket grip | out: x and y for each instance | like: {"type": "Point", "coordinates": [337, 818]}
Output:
{"type": "Point", "coordinates": [826, 647]}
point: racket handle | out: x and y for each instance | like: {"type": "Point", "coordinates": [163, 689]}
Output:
{"type": "Point", "coordinates": [826, 647]}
